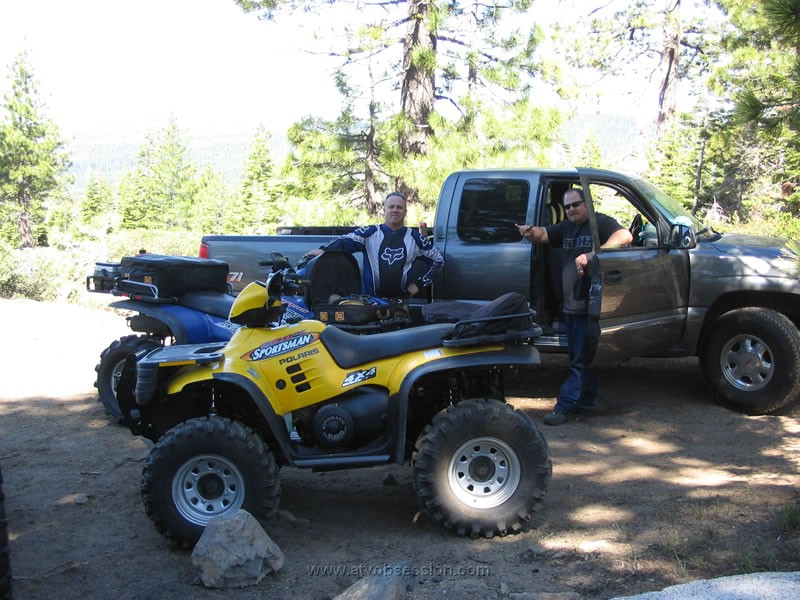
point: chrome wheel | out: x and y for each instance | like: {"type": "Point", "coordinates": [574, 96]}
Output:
{"type": "Point", "coordinates": [207, 486]}
{"type": "Point", "coordinates": [484, 472]}
{"type": "Point", "coordinates": [747, 363]}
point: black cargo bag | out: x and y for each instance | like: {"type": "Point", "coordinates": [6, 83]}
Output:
{"type": "Point", "coordinates": [354, 310]}
{"type": "Point", "coordinates": [332, 274]}
{"type": "Point", "coordinates": [507, 313]}
{"type": "Point", "coordinates": [163, 276]}
{"type": "Point", "coordinates": [105, 277]}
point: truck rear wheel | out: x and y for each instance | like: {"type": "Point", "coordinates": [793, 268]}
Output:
{"type": "Point", "coordinates": [205, 468]}
{"type": "Point", "coordinates": [751, 360]}
{"type": "Point", "coordinates": [481, 468]}
{"type": "Point", "coordinates": [112, 359]}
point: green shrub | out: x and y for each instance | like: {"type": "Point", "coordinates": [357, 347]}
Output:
{"type": "Point", "coordinates": [35, 273]}
{"type": "Point", "coordinates": [129, 242]}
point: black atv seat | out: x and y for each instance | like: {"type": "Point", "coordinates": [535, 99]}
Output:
{"type": "Point", "coordinates": [350, 349]}
{"type": "Point", "coordinates": [213, 303]}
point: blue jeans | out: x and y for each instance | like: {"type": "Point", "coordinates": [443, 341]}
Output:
{"type": "Point", "coordinates": [580, 389]}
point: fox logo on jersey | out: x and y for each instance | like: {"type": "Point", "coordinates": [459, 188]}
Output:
{"type": "Point", "coordinates": [392, 255]}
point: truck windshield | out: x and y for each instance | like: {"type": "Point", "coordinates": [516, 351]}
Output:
{"type": "Point", "coordinates": [672, 210]}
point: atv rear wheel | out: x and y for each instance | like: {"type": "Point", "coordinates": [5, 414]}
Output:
{"type": "Point", "coordinates": [205, 468]}
{"type": "Point", "coordinates": [112, 359]}
{"type": "Point", "coordinates": [481, 468]}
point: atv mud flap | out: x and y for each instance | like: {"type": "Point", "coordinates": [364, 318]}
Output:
{"type": "Point", "coordinates": [139, 378]}
{"type": "Point", "coordinates": [126, 396]}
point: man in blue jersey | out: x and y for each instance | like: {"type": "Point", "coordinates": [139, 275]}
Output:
{"type": "Point", "coordinates": [390, 251]}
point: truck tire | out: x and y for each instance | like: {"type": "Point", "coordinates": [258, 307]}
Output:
{"type": "Point", "coordinates": [108, 370]}
{"type": "Point", "coordinates": [205, 468]}
{"type": "Point", "coordinates": [5, 557]}
{"type": "Point", "coordinates": [481, 468]}
{"type": "Point", "coordinates": [751, 360]}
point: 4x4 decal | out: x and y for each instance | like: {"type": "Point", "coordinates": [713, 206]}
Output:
{"type": "Point", "coordinates": [359, 376]}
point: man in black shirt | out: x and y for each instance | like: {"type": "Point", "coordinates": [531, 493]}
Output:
{"type": "Point", "coordinates": [574, 235]}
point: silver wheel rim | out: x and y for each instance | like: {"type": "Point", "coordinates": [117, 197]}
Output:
{"type": "Point", "coordinates": [484, 472]}
{"type": "Point", "coordinates": [746, 363]}
{"type": "Point", "coordinates": [207, 486]}
{"type": "Point", "coordinates": [116, 373]}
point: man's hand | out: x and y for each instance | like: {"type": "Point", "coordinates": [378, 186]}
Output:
{"type": "Point", "coordinates": [413, 289]}
{"type": "Point", "coordinates": [582, 261]}
{"type": "Point", "coordinates": [532, 233]}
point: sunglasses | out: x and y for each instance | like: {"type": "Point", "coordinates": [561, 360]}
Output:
{"type": "Point", "coordinates": [573, 205]}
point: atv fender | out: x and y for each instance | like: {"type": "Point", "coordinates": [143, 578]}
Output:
{"type": "Point", "coordinates": [521, 355]}
{"type": "Point", "coordinates": [187, 326]}
{"type": "Point", "coordinates": [443, 359]}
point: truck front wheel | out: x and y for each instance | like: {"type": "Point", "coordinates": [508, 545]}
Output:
{"type": "Point", "coordinates": [751, 360]}
{"type": "Point", "coordinates": [481, 468]}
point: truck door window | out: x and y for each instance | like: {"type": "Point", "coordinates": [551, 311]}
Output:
{"type": "Point", "coordinates": [490, 208]}
{"type": "Point", "coordinates": [616, 204]}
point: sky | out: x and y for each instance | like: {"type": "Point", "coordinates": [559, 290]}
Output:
{"type": "Point", "coordinates": [108, 67]}
{"type": "Point", "coordinates": [117, 70]}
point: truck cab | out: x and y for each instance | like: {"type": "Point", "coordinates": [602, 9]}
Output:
{"type": "Point", "coordinates": [644, 287]}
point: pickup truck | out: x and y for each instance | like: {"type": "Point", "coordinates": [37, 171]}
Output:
{"type": "Point", "coordinates": [680, 289]}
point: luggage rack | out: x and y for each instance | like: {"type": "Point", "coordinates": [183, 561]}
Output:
{"type": "Point", "coordinates": [145, 292]}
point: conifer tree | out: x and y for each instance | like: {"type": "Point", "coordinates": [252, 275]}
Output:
{"type": "Point", "coordinates": [33, 162]}
{"type": "Point", "coordinates": [442, 57]}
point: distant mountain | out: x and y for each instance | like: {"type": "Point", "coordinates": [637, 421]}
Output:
{"type": "Point", "coordinates": [620, 139]}
{"type": "Point", "coordinates": [110, 159]}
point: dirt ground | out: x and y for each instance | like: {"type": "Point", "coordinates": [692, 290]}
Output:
{"type": "Point", "coordinates": [661, 487]}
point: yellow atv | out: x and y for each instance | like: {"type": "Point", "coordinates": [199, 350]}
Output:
{"type": "Point", "coordinates": [307, 395]}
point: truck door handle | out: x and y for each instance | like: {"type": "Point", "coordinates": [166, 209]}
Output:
{"type": "Point", "coordinates": [613, 277]}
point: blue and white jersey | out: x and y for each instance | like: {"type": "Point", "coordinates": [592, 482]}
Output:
{"type": "Point", "coordinates": [389, 258]}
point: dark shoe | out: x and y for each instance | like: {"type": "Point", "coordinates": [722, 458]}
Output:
{"type": "Point", "coordinates": [558, 417]}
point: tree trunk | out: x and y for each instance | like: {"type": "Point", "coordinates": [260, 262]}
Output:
{"type": "Point", "coordinates": [24, 221]}
{"type": "Point", "coordinates": [373, 202]}
{"type": "Point", "coordinates": [670, 55]}
{"type": "Point", "coordinates": [698, 172]}
{"type": "Point", "coordinates": [417, 89]}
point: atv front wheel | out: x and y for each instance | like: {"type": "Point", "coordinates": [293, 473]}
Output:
{"type": "Point", "coordinates": [112, 359]}
{"type": "Point", "coordinates": [481, 468]}
{"type": "Point", "coordinates": [205, 468]}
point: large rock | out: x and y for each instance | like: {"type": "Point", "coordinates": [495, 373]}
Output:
{"type": "Point", "coordinates": [235, 551]}
{"type": "Point", "coordinates": [377, 587]}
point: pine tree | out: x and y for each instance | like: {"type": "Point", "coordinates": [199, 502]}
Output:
{"type": "Point", "coordinates": [98, 201]}
{"type": "Point", "coordinates": [441, 57]}
{"type": "Point", "coordinates": [159, 192]}
{"type": "Point", "coordinates": [33, 162]}
{"type": "Point", "coordinates": [259, 210]}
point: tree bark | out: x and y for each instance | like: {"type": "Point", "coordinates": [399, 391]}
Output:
{"type": "Point", "coordinates": [417, 88]}
{"type": "Point", "coordinates": [24, 221]}
{"type": "Point", "coordinates": [670, 56]}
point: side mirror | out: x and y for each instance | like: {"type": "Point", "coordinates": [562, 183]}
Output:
{"type": "Point", "coordinates": [681, 237]}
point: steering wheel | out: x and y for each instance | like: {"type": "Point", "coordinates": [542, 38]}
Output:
{"type": "Point", "coordinates": [636, 229]}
